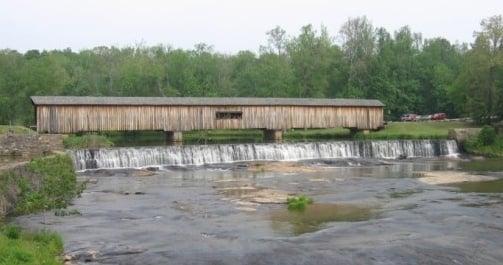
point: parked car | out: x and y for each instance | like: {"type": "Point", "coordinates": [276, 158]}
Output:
{"type": "Point", "coordinates": [439, 116]}
{"type": "Point", "coordinates": [408, 117]}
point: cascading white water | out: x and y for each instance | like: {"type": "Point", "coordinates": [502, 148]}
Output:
{"type": "Point", "coordinates": [135, 157]}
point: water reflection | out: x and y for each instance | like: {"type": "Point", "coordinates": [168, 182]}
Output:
{"type": "Point", "coordinates": [493, 186]}
{"type": "Point", "coordinates": [314, 216]}
{"type": "Point", "coordinates": [491, 165]}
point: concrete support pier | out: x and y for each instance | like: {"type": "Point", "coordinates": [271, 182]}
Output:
{"type": "Point", "coordinates": [174, 137]}
{"type": "Point", "coordinates": [273, 135]}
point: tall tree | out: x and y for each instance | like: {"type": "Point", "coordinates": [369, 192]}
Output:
{"type": "Point", "coordinates": [310, 59]}
{"type": "Point", "coordinates": [358, 43]}
{"type": "Point", "coordinates": [482, 76]}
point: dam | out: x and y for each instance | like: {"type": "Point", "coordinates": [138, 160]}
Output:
{"type": "Point", "coordinates": [136, 157]}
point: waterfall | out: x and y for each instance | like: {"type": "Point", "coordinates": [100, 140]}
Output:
{"type": "Point", "coordinates": [135, 157]}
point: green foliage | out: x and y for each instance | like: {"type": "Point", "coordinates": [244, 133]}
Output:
{"type": "Point", "coordinates": [481, 78]}
{"type": "Point", "coordinates": [49, 182]}
{"type": "Point", "coordinates": [487, 135]}
{"type": "Point", "coordinates": [87, 141]}
{"type": "Point", "coordinates": [476, 147]}
{"type": "Point", "coordinates": [298, 202]}
{"type": "Point", "coordinates": [401, 69]}
{"type": "Point", "coordinates": [21, 247]}
{"type": "Point", "coordinates": [11, 231]}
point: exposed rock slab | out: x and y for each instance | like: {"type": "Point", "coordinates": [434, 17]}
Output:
{"type": "Point", "coordinates": [283, 167]}
{"type": "Point", "coordinates": [254, 195]}
{"type": "Point", "coordinates": [449, 177]}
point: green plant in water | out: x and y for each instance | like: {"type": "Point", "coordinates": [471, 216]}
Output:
{"type": "Point", "coordinates": [298, 202]}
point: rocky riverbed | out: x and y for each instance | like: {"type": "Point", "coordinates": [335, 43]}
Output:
{"type": "Point", "coordinates": [364, 212]}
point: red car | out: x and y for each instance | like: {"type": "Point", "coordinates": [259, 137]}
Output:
{"type": "Point", "coordinates": [439, 116]}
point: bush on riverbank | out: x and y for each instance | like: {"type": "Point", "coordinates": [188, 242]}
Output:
{"type": "Point", "coordinates": [22, 247]}
{"type": "Point", "coordinates": [87, 141]}
{"type": "Point", "coordinates": [44, 183]}
{"type": "Point", "coordinates": [488, 143]}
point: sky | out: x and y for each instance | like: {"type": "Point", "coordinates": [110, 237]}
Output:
{"type": "Point", "coordinates": [228, 25]}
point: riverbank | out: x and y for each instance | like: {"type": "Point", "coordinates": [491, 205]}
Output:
{"type": "Point", "coordinates": [41, 184]}
{"type": "Point", "coordinates": [493, 150]}
{"type": "Point", "coordinates": [29, 248]}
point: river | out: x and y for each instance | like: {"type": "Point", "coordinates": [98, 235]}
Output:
{"type": "Point", "coordinates": [219, 204]}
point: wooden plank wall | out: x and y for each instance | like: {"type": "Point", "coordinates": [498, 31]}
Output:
{"type": "Point", "coordinates": [71, 119]}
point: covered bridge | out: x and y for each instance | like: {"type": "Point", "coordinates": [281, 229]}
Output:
{"type": "Point", "coordinates": [177, 114]}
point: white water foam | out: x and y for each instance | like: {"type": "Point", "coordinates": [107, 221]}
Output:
{"type": "Point", "coordinates": [137, 157]}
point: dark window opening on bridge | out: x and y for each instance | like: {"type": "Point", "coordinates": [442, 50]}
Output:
{"type": "Point", "coordinates": [225, 115]}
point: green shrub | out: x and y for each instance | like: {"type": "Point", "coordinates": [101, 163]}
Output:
{"type": "Point", "coordinates": [487, 135]}
{"type": "Point", "coordinates": [475, 147]}
{"type": "Point", "coordinates": [11, 232]}
{"type": "Point", "coordinates": [87, 141]}
{"type": "Point", "coordinates": [58, 185]}
{"type": "Point", "coordinates": [29, 248]}
{"type": "Point", "coordinates": [298, 202]}
{"type": "Point", "coordinates": [44, 183]}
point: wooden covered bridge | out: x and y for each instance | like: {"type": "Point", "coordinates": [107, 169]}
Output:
{"type": "Point", "coordinates": [175, 115]}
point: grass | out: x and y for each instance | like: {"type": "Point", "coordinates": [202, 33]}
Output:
{"type": "Point", "coordinates": [87, 141]}
{"type": "Point", "coordinates": [301, 134]}
{"type": "Point", "coordinates": [29, 248]}
{"type": "Point", "coordinates": [15, 129]}
{"type": "Point", "coordinates": [46, 183]}
{"type": "Point", "coordinates": [298, 202]}
{"type": "Point", "coordinates": [415, 130]}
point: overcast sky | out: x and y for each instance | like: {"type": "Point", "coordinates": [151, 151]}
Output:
{"type": "Point", "coordinates": [227, 25]}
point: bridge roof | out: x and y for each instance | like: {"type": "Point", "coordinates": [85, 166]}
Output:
{"type": "Point", "coordinates": [202, 101]}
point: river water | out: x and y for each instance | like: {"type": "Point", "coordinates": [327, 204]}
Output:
{"type": "Point", "coordinates": [369, 206]}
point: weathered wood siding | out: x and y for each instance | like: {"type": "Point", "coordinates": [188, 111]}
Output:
{"type": "Point", "coordinates": [71, 119]}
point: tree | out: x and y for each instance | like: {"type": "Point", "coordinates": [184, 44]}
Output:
{"type": "Point", "coordinates": [405, 72]}
{"type": "Point", "coordinates": [310, 58]}
{"type": "Point", "coordinates": [277, 41]}
{"type": "Point", "coordinates": [358, 43]}
{"type": "Point", "coordinates": [482, 76]}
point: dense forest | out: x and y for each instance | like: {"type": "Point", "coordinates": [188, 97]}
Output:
{"type": "Point", "coordinates": [403, 70]}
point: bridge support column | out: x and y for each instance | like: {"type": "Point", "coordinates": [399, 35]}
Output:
{"type": "Point", "coordinates": [173, 137]}
{"type": "Point", "coordinates": [273, 135]}
{"type": "Point", "coordinates": [366, 131]}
